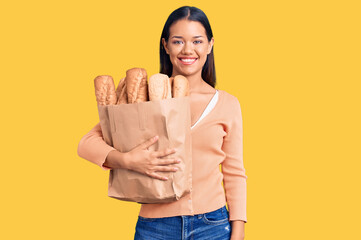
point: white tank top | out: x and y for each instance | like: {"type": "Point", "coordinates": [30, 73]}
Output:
{"type": "Point", "coordinates": [209, 108]}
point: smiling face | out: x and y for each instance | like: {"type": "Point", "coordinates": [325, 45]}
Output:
{"type": "Point", "coordinates": [187, 47]}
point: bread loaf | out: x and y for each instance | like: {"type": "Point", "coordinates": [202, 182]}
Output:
{"type": "Point", "coordinates": [105, 90]}
{"type": "Point", "coordinates": [122, 92]}
{"type": "Point", "coordinates": [136, 85]}
{"type": "Point", "coordinates": [180, 86]}
{"type": "Point", "coordinates": [159, 87]}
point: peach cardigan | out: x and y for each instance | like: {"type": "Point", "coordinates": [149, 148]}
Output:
{"type": "Point", "coordinates": [217, 139]}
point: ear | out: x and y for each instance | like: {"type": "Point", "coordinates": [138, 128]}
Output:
{"type": "Point", "coordinates": [165, 45]}
{"type": "Point", "coordinates": [210, 45]}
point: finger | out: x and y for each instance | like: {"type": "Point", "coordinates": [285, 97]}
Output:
{"type": "Point", "coordinates": [157, 176]}
{"type": "Point", "coordinates": [149, 142]}
{"type": "Point", "coordinates": [164, 152]}
{"type": "Point", "coordinates": [165, 169]}
{"type": "Point", "coordinates": [167, 161]}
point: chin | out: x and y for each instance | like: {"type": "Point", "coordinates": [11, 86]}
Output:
{"type": "Point", "coordinates": [188, 73]}
{"type": "Point", "coordinates": [185, 74]}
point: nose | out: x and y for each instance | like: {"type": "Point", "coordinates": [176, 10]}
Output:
{"type": "Point", "coordinates": [187, 49]}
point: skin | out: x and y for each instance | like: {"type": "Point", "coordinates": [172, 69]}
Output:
{"type": "Point", "coordinates": [183, 42]}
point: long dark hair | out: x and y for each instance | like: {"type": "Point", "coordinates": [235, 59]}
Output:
{"type": "Point", "coordinates": [192, 14]}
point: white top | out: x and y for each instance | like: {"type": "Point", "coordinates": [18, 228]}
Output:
{"type": "Point", "coordinates": [209, 108]}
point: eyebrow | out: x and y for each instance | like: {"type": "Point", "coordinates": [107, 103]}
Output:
{"type": "Point", "coordinates": [182, 37]}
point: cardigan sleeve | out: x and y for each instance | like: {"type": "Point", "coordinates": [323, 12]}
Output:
{"type": "Point", "coordinates": [234, 177]}
{"type": "Point", "coordinates": [93, 148]}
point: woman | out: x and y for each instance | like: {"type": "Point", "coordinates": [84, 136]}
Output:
{"type": "Point", "coordinates": [186, 48]}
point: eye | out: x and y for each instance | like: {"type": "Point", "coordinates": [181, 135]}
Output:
{"type": "Point", "coordinates": [198, 41]}
{"type": "Point", "coordinates": [176, 42]}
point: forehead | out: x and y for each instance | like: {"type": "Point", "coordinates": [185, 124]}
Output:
{"type": "Point", "coordinates": [186, 28]}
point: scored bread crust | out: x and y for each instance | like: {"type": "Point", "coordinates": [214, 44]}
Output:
{"type": "Point", "coordinates": [119, 87]}
{"type": "Point", "coordinates": [159, 87]}
{"type": "Point", "coordinates": [180, 86]}
{"type": "Point", "coordinates": [121, 92]}
{"type": "Point", "coordinates": [136, 85]}
{"type": "Point", "coordinates": [169, 86]}
{"type": "Point", "coordinates": [105, 90]}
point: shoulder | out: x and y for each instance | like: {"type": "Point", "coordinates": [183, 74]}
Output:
{"type": "Point", "coordinates": [231, 113]}
{"type": "Point", "coordinates": [229, 100]}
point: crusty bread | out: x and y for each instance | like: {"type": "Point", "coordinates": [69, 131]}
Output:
{"type": "Point", "coordinates": [136, 85]}
{"type": "Point", "coordinates": [105, 90]}
{"type": "Point", "coordinates": [180, 86]}
{"type": "Point", "coordinates": [122, 92]}
{"type": "Point", "coordinates": [159, 87]}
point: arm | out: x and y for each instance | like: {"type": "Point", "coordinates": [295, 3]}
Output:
{"type": "Point", "coordinates": [237, 230]}
{"type": "Point", "coordinates": [234, 177]}
{"type": "Point", "coordinates": [93, 148]}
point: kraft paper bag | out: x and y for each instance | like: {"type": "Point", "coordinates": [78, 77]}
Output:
{"type": "Point", "coordinates": [125, 126]}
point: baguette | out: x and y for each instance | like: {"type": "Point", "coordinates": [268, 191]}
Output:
{"type": "Point", "coordinates": [180, 86]}
{"type": "Point", "coordinates": [121, 92]}
{"type": "Point", "coordinates": [105, 90]}
{"type": "Point", "coordinates": [159, 87]}
{"type": "Point", "coordinates": [136, 85]}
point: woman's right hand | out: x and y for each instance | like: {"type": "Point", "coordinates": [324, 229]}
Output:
{"type": "Point", "coordinates": [148, 162]}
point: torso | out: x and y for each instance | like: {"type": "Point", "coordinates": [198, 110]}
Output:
{"type": "Point", "coordinates": [199, 102]}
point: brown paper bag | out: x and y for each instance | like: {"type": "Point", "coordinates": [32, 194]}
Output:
{"type": "Point", "coordinates": [125, 126]}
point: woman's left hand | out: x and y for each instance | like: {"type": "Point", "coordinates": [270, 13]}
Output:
{"type": "Point", "coordinates": [237, 230]}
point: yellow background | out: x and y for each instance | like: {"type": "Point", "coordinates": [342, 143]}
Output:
{"type": "Point", "coordinates": [294, 66]}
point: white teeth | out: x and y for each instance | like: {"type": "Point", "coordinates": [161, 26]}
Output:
{"type": "Point", "coordinates": [187, 60]}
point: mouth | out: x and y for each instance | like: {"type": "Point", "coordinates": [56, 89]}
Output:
{"type": "Point", "coordinates": [187, 61]}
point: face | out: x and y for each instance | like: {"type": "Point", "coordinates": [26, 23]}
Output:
{"type": "Point", "coordinates": [187, 47]}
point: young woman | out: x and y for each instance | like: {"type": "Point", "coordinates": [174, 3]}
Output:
{"type": "Point", "coordinates": [186, 48]}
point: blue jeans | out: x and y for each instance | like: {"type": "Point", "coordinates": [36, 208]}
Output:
{"type": "Point", "coordinates": [213, 225]}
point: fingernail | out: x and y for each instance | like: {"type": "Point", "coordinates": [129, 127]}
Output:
{"type": "Point", "coordinates": [175, 169]}
{"type": "Point", "coordinates": [165, 178]}
{"type": "Point", "coordinates": [178, 160]}
{"type": "Point", "coordinates": [156, 137]}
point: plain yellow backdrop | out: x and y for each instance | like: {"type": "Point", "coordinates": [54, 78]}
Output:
{"type": "Point", "coordinates": [294, 66]}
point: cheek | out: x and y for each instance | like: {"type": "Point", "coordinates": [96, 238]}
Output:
{"type": "Point", "coordinates": [202, 52]}
{"type": "Point", "coordinates": [174, 50]}
{"type": "Point", "coordinates": [174, 60]}
{"type": "Point", "coordinates": [203, 55]}
{"type": "Point", "coordinates": [173, 57]}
